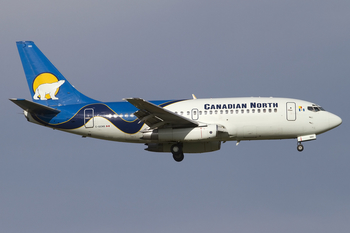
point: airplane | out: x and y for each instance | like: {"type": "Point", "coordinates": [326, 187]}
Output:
{"type": "Point", "coordinates": [176, 126]}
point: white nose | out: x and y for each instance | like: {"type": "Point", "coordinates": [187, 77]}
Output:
{"type": "Point", "coordinates": [334, 121]}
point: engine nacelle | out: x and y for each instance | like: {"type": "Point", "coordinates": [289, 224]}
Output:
{"type": "Point", "coordinates": [182, 134]}
{"type": "Point", "coordinates": [187, 147]}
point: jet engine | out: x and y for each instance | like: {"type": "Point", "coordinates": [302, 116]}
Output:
{"type": "Point", "coordinates": [182, 134]}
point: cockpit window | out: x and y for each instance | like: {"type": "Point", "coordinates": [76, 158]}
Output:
{"type": "Point", "coordinates": [315, 108]}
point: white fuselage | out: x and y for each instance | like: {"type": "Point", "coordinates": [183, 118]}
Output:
{"type": "Point", "coordinates": [251, 118]}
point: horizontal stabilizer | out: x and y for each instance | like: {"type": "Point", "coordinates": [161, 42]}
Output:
{"type": "Point", "coordinates": [32, 107]}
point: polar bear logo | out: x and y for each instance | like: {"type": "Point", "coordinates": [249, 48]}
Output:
{"type": "Point", "coordinates": [47, 88]}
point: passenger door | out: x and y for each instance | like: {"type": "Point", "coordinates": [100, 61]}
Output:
{"type": "Point", "coordinates": [89, 118]}
{"type": "Point", "coordinates": [291, 111]}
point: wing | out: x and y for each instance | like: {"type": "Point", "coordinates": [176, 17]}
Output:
{"type": "Point", "coordinates": [157, 117]}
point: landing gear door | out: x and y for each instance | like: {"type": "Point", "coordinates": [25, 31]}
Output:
{"type": "Point", "coordinates": [291, 111]}
{"type": "Point", "coordinates": [89, 118]}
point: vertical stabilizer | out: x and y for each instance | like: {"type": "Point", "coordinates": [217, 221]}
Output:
{"type": "Point", "coordinates": [46, 84]}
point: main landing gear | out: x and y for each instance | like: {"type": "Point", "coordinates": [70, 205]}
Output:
{"type": "Point", "coordinates": [176, 149]}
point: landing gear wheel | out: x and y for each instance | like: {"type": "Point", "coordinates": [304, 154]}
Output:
{"type": "Point", "coordinates": [176, 148]}
{"type": "Point", "coordinates": [300, 148]}
{"type": "Point", "coordinates": [178, 155]}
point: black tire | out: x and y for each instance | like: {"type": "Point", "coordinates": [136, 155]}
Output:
{"type": "Point", "coordinates": [300, 148]}
{"type": "Point", "coordinates": [176, 150]}
{"type": "Point", "coordinates": [178, 157]}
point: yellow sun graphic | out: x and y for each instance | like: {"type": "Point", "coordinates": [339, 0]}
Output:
{"type": "Point", "coordinates": [44, 78]}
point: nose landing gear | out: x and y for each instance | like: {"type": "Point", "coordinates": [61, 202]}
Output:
{"type": "Point", "coordinates": [304, 138]}
{"type": "Point", "coordinates": [300, 147]}
{"type": "Point", "coordinates": [176, 149]}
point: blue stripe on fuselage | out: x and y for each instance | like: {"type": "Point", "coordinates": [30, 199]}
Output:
{"type": "Point", "coordinates": [72, 116]}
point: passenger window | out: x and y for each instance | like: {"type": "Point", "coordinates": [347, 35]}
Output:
{"type": "Point", "coordinates": [275, 110]}
{"type": "Point", "coordinates": [221, 111]}
{"type": "Point", "coordinates": [211, 112]}
{"type": "Point", "coordinates": [247, 110]}
{"type": "Point", "coordinates": [231, 111]}
{"type": "Point", "coordinates": [200, 112]}
{"type": "Point", "coordinates": [205, 112]}
{"type": "Point", "coordinates": [181, 112]}
{"type": "Point", "coordinates": [216, 111]}
{"type": "Point", "coordinates": [237, 111]}
{"type": "Point", "coordinates": [264, 110]}
{"type": "Point", "coordinates": [242, 111]}
{"type": "Point", "coordinates": [188, 112]}
{"type": "Point", "coordinates": [270, 110]}
{"type": "Point", "coordinates": [259, 110]}
{"type": "Point", "coordinates": [253, 110]}
{"type": "Point", "coordinates": [226, 111]}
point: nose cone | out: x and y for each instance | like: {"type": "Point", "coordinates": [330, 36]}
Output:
{"type": "Point", "coordinates": [334, 121]}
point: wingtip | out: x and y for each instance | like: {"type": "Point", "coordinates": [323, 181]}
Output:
{"type": "Point", "coordinates": [15, 99]}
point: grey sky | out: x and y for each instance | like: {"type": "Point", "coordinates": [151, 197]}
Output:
{"type": "Point", "coordinates": [51, 181]}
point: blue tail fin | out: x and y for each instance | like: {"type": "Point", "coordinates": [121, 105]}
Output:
{"type": "Point", "coordinates": [46, 84]}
